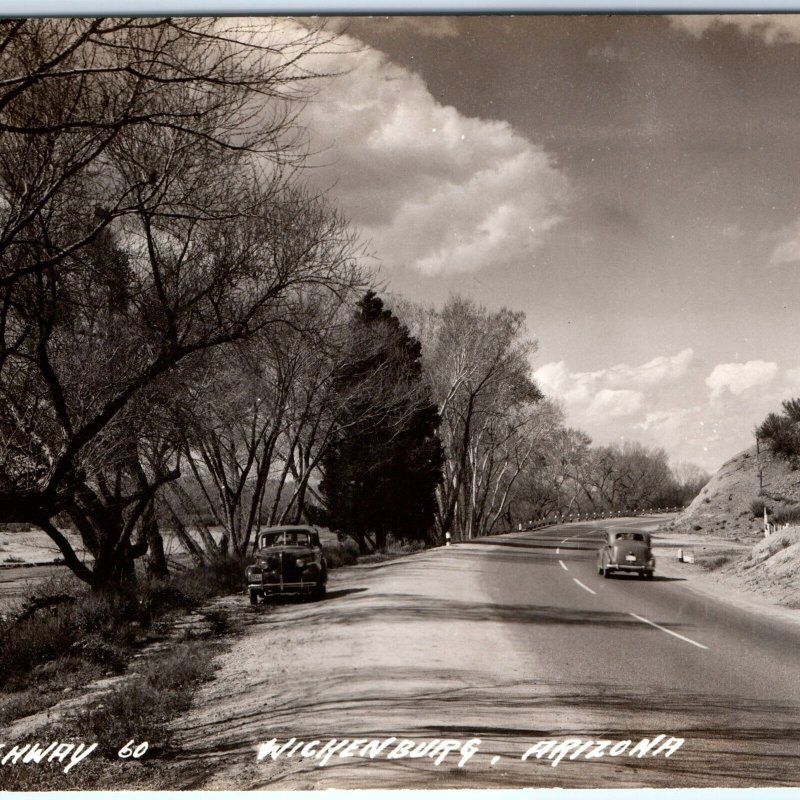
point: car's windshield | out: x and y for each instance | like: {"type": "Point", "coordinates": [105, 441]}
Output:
{"type": "Point", "coordinates": [279, 538]}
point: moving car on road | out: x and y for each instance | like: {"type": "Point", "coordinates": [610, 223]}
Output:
{"type": "Point", "coordinates": [289, 560]}
{"type": "Point", "coordinates": [626, 551]}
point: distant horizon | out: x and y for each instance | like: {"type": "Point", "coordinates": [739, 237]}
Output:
{"type": "Point", "coordinates": [629, 182]}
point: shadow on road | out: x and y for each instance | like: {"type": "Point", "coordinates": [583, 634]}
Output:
{"type": "Point", "coordinates": [343, 593]}
{"type": "Point", "coordinates": [391, 608]}
{"type": "Point", "coordinates": [655, 579]}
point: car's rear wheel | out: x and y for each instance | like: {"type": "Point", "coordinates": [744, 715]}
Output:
{"type": "Point", "coordinates": [253, 597]}
{"type": "Point", "coordinates": [648, 575]}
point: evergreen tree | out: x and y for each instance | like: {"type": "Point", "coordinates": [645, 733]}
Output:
{"type": "Point", "coordinates": [381, 473]}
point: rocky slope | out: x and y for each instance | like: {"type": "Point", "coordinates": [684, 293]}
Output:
{"type": "Point", "coordinates": [724, 506]}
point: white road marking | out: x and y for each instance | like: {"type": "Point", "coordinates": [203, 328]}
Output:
{"type": "Point", "coordinates": [584, 586]}
{"type": "Point", "coordinates": [666, 630]}
{"type": "Point", "coordinates": [495, 759]}
{"type": "Point", "coordinates": [563, 565]}
{"type": "Point", "coordinates": [558, 550]}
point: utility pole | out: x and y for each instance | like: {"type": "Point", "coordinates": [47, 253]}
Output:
{"type": "Point", "coordinates": [760, 469]}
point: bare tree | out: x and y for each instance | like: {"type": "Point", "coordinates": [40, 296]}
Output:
{"type": "Point", "coordinates": [477, 364]}
{"type": "Point", "coordinates": [145, 221]}
{"type": "Point", "coordinates": [260, 417]}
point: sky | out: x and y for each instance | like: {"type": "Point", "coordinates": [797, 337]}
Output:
{"type": "Point", "coordinates": [631, 183]}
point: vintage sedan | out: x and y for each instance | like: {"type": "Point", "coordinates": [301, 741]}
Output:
{"type": "Point", "coordinates": [289, 560]}
{"type": "Point", "coordinates": [626, 551]}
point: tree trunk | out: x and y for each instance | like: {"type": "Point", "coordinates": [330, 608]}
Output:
{"type": "Point", "coordinates": [156, 560]}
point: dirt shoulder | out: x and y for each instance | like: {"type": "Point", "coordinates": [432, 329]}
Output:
{"type": "Point", "coordinates": [300, 672]}
{"type": "Point", "coordinates": [763, 577]}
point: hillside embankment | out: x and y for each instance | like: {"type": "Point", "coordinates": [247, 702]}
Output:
{"type": "Point", "coordinates": [734, 554]}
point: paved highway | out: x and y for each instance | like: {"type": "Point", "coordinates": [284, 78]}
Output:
{"type": "Point", "coordinates": [514, 640]}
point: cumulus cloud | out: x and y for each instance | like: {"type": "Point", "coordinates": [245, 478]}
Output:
{"type": "Point", "coordinates": [737, 378]}
{"type": "Point", "coordinates": [787, 249]}
{"type": "Point", "coordinates": [771, 28]}
{"type": "Point", "coordinates": [556, 378]}
{"type": "Point", "coordinates": [431, 189]}
{"type": "Point", "coordinates": [616, 403]}
{"type": "Point", "coordinates": [695, 412]}
{"type": "Point", "coordinates": [592, 399]}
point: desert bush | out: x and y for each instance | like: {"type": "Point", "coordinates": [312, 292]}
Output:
{"type": "Point", "coordinates": [139, 708]}
{"type": "Point", "coordinates": [102, 628]}
{"type": "Point", "coordinates": [789, 513]}
{"type": "Point", "coordinates": [189, 588]}
{"type": "Point", "coordinates": [781, 432]}
{"type": "Point", "coordinates": [61, 617]}
{"type": "Point", "coordinates": [340, 554]}
{"type": "Point", "coordinates": [757, 507]}
{"type": "Point", "coordinates": [714, 562]}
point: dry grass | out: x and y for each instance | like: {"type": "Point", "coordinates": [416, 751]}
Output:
{"type": "Point", "coordinates": [139, 710]}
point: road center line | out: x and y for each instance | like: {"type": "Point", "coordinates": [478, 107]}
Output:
{"type": "Point", "coordinates": [563, 565]}
{"type": "Point", "coordinates": [584, 586]}
{"type": "Point", "coordinates": [666, 630]}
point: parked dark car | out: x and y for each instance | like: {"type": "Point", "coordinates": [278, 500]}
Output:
{"type": "Point", "coordinates": [626, 551]}
{"type": "Point", "coordinates": [289, 560]}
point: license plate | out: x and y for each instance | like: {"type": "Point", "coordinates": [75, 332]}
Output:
{"type": "Point", "coordinates": [630, 558]}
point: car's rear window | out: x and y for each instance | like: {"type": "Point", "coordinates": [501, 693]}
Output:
{"type": "Point", "coordinates": [632, 535]}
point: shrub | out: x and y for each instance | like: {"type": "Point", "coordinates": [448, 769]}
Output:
{"type": "Point", "coordinates": [757, 507]}
{"type": "Point", "coordinates": [139, 708]}
{"type": "Point", "coordinates": [340, 554]}
{"type": "Point", "coordinates": [781, 431]}
{"type": "Point", "coordinates": [63, 617]}
{"type": "Point", "coordinates": [191, 587]}
{"type": "Point", "coordinates": [714, 562]}
{"type": "Point", "coordinates": [787, 514]}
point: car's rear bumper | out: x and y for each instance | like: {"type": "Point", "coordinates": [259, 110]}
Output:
{"type": "Point", "coordinates": [628, 567]}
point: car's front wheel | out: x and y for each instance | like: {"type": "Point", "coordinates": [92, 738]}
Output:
{"type": "Point", "coordinates": [253, 597]}
{"type": "Point", "coordinates": [606, 572]}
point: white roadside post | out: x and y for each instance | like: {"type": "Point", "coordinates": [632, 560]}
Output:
{"type": "Point", "coordinates": [766, 522]}
{"type": "Point", "coordinates": [447, 539]}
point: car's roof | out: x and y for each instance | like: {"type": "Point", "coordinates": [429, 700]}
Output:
{"type": "Point", "coordinates": [289, 529]}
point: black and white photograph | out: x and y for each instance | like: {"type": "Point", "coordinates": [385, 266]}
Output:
{"type": "Point", "coordinates": [399, 402]}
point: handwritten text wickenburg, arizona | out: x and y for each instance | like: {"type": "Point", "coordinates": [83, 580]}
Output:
{"type": "Point", "coordinates": [438, 750]}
